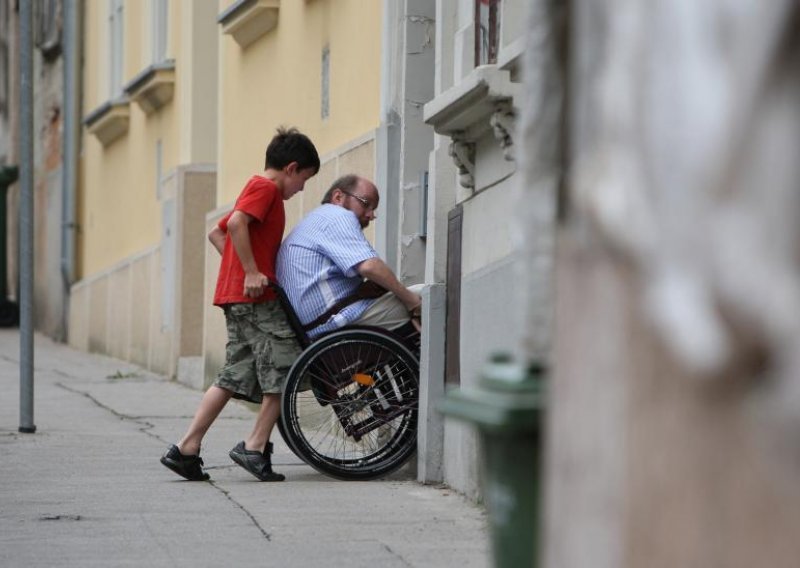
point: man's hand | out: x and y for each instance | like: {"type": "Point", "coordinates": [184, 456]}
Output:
{"type": "Point", "coordinates": [254, 284]}
{"type": "Point", "coordinates": [415, 311]}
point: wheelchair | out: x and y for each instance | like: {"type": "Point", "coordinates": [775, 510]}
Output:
{"type": "Point", "coordinates": [349, 406]}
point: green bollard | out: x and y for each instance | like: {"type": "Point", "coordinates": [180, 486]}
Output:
{"type": "Point", "coordinates": [506, 408]}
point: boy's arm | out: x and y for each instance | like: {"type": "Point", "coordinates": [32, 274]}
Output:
{"type": "Point", "coordinates": [254, 281]}
{"type": "Point", "coordinates": [217, 238]}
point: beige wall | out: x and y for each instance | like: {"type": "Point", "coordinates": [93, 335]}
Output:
{"type": "Point", "coordinates": [276, 81]}
{"type": "Point", "coordinates": [116, 313]}
{"type": "Point", "coordinates": [120, 209]}
{"type": "Point", "coordinates": [121, 311]}
{"type": "Point", "coordinates": [226, 105]}
{"type": "Point", "coordinates": [137, 298]}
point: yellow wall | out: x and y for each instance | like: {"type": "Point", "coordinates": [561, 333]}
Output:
{"type": "Point", "coordinates": [120, 213]}
{"type": "Point", "coordinates": [274, 81]}
{"type": "Point", "coordinates": [277, 81]}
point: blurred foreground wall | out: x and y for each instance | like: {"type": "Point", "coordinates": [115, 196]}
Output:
{"type": "Point", "coordinates": [668, 135]}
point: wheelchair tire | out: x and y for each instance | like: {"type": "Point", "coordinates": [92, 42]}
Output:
{"type": "Point", "coordinates": [349, 408]}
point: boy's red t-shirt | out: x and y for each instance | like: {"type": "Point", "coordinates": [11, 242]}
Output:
{"type": "Point", "coordinates": [262, 200]}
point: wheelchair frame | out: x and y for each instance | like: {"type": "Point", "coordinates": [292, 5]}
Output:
{"type": "Point", "coordinates": [349, 407]}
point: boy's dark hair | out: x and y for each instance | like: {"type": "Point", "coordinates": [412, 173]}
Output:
{"type": "Point", "coordinates": [345, 183]}
{"type": "Point", "coordinates": [288, 146]}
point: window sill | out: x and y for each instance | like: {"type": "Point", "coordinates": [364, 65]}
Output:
{"type": "Point", "coordinates": [466, 107]}
{"type": "Point", "coordinates": [248, 20]}
{"type": "Point", "coordinates": [154, 87]}
{"type": "Point", "coordinates": [109, 121]}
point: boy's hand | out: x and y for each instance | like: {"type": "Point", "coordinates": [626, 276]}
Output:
{"type": "Point", "coordinates": [254, 284]}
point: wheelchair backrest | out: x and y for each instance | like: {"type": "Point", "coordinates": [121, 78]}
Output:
{"type": "Point", "coordinates": [291, 315]}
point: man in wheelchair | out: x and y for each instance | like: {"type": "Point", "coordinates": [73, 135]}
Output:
{"type": "Point", "coordinates": [323, 262]}
{"type": "Point", "coordinates": [350, 401]}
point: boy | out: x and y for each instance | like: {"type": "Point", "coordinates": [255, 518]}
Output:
{"type": "Point", "coordinates": [261, 346]}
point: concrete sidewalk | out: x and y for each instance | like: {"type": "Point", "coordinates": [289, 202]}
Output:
{"type": "Point", "coordinates": [88, 490]}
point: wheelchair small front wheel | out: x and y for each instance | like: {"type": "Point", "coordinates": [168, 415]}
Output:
{"type": "Point", "coordinates": [350, 404]}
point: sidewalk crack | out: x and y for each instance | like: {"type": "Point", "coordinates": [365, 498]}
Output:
{"type": "Point", "coordinates": [243, 509]}
{"type": "Point", "coordinates": [395, 554]}
{"type": "Point", "coordinates": [144, 427]}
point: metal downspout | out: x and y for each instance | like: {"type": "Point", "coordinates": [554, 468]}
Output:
{"type": "Point", "coordinates": [73, 49]}
{"type": "Point", "coordinates": [387, 143]}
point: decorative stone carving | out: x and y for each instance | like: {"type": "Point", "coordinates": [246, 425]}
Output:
{"type": "Point", "coordinates": [502, 122]}
{"type": "Point", "coordinates": [466, 111]}
{"type": "Point", "coordinates": [463, 154]}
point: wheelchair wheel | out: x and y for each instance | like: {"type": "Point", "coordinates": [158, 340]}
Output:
{"type": "Point", "coordinates": [350, 404]}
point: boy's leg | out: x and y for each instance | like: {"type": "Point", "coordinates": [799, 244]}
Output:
{"type": "Point", "coordinates": [275, 348]}
{"type": "Point", "coordinates": [184, 458]}
{"type": "Point", "coordinates": [214, 400]}
{"type": "Point", "coordinates": [254, 453]}
{"type": "Point", "coordinates": [268, 415]}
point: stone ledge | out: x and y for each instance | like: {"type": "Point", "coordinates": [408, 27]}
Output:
{"type": "Point", "coordinates": [248, 20]}
{"type": "Point", "coordinates": [109, 121]}
{"type": "Point", "coordinates": [466, 107]}
{"type": "Point", "coordinates": [154, 87]}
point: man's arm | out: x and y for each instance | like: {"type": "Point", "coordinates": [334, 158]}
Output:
{"type": "Point", "coordinates": [217, 238]}
{"type": "Point", "coordinates": [254, 281]}
{"type": "Point", "coordinates": [377, 271]}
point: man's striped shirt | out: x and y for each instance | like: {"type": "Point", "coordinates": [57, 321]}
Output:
{"type": "Point", "coordinates": [317, 266]}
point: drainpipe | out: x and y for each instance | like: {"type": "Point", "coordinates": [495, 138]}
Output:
{"type": "Point", "coordinates": [387, 144]}
{"type": "Point", "coordinates": [73, 49]}
{"type": "Point", "coordinates": [26, 219]}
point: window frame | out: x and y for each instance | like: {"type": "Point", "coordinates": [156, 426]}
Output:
{"type": "Point", "coordinates": [159, 21]}
{"type": "Point", "coordinates": [487, 38]}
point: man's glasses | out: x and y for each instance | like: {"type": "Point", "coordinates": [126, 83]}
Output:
{"type": "Point", "coordinates": [365, 202]}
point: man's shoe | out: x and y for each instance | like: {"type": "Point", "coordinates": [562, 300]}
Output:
{"type": "Point", "coordinates": [189, 467]}
{"type": "Point", "coordinates": [257, 463]}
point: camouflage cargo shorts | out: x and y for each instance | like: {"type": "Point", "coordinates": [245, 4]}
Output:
{"type": "Point", "coordinates": [261, 349]}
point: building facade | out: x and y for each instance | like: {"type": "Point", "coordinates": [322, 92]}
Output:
{"type": "Point", "coordinates": [180, 99]}
{"type": "Point", "coordinates": [176, 101]}
{"type": "Point", "coordinates": [472, 250]}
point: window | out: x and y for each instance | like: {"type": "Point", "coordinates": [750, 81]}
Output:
{"type": "Point", "coordinates": [487, 31]}
{"type": "Point", "coordinates": [115, 42]}
{"type": "Point", "coordinates": [159, 20]}
{"type": "Point", "coordinates": [47, 27]}
{"type": "Point", "coordinates": [326, 81]}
